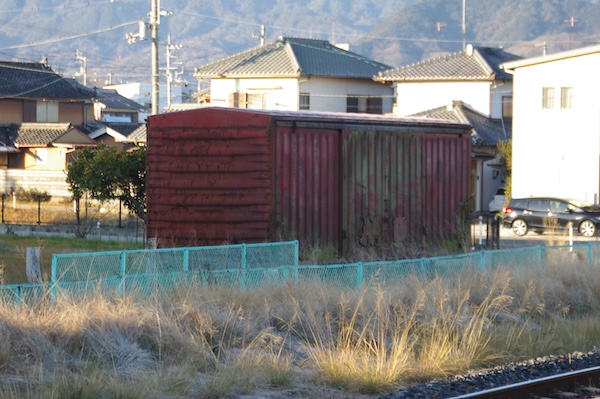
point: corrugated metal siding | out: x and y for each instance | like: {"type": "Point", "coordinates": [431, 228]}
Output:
{"type": "Point", "coordinates": [210, 185]}
{"type": "Point", "coordinates": [308, 185]}
{"type": "Point", "coordinates": [226, 176]}
{"type": "Point", "coordinates": [402, 185]}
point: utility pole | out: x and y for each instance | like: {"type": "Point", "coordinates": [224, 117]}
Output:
{"type": "Point", "coordinates": [154, 21]}
{"type": "Point", "coordinates": [154, 18]}
{"type": "Point", "coordinates": [170, 47]}
{"type": "Point", "coordinates": [83, 69]}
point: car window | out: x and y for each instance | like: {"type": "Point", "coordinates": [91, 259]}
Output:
{"type": "Point", "coordinates": [518, 203]}
{"type": "Point", "coordinates": [500, 191]}
{"type": "Point", "coordinates": [539, 205]}
{"type": "Point", "coordinates": [558, 206]}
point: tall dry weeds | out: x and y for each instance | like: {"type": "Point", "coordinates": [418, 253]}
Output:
{"type": "Point", "coordinates": [213, 342]}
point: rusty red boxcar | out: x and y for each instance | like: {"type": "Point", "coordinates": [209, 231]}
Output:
{"type": "Point", "coordinates": [228, 175]}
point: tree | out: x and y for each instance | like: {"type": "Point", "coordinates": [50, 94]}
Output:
{"type": "Point", "coordinates": [107, 173]}
{"type": "Point", "coordinates": [505, 149]}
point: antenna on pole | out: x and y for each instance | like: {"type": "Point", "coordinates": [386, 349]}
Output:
{"type": "Point", "coordinates": [261, 36]}
{"type": "Point", "coordinates": [438, 27]}
{"type": "Point", "coordinates": [571, 21]}
{"type": "Point", "coordinates": [464, 24]}
{"type": "Point", "coordinates": [543, 46]}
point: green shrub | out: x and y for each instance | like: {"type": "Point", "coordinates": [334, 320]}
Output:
{"type": "Point", "coordinates": [32, 195]}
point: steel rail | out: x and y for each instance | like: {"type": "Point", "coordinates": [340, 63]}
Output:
{"type": "Point", "coordinates": [539, 387]}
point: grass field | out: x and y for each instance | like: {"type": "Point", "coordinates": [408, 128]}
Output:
{"type": "Point", "coordinates": [13, 250]}
{"type": "Point", "coordinates": [303, 340]}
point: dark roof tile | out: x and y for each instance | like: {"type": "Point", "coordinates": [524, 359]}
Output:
{"type": "Point", "coordinates": [37, 80]}
{"type": "Point", "coordinates": [474, 63]}
{"type": "Point", "coordinates": [486, 131]}
{"type": "Point", "coordinates": [294, 57]}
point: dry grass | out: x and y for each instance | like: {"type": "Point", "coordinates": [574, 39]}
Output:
{"type": "Point", "coordinates": [301, 340]}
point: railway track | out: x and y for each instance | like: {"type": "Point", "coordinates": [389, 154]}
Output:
{"type": "Point", "coordinates": [581, 384]}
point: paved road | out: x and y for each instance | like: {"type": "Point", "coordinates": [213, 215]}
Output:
{"type": "Point", "coordinates": [509, 240]}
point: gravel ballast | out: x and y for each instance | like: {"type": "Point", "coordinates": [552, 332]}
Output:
{"type": "Point", "coordinates": [499, 376]}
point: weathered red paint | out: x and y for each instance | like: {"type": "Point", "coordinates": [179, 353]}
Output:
{"type": "Point", "coordinates": [219, 175]}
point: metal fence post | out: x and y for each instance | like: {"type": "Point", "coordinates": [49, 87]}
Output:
{"type": "Point", "coordinates": [186, 260]}
{"type": "Point", "coordinates": [39, 201]}
{"type": "Point", "coordinates": [359, 275]}
{"type": "Point", "coordinates": [122, 271]}
{"type": "Point", "coordinates": [53, 272]}
{"type": "Point", "coordinates": [243, 282]}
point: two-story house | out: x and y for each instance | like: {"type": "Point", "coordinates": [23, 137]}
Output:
{"type": "Point", "coordinates": [468, 86]}
{"type": "Point", "coordinates": [117, 118]}
{"type": "Point", "coordinates": [556, 125]}
{"type": "Point", "coordinates": [41, 114]}
{"type": "Point", "coordinates": [298, 74]}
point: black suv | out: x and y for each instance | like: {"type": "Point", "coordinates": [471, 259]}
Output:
{"type": "Point", "coordinates": [539, 214]}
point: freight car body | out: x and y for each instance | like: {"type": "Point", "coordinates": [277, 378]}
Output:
{"type": "Point", "coordinates": [227, 175]}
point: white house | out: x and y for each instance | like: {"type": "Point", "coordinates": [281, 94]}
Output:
{"type": "Point", "coordinates": [472, 76]}
{"type": "Point", "coordinates": [298, 74]}
{"type": "Point", "coordinates": [556, 125]}
{"type": "Point", "coordinates": [468, 86]}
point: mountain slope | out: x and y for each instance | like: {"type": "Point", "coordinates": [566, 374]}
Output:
{"type": "Point", "coordinates": [393, 32]}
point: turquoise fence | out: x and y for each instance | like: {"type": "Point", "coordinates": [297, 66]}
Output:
{"type": "Point", "coordinates": [148, 272]}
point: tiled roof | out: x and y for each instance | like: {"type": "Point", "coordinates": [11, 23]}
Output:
{"type": "Point", "coordinates": [37, 80]}
{"type": "Point", "coordinates": [474, 63]}
{"type": "Point", "coordinates": [40, 134]}
{"type": "Point", "coordinates": [112, 99]}
{"type": "Point", "coordinates": [138, 135]}
{"type": "Point", "coordinates": [126, 129]}
{"type": "Point", "coordinates": [486, 131]}
{"type": "Point", "coordinates": [293, 57]}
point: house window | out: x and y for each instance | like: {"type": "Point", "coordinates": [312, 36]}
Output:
{"type": "Point", "coordinates": [566, 96]}
{"type": "Point", "coordinates": [507, 107]}
{"type": "Point", "coordinates": [41, 156]}
{"type": "Point", "coordinates": [304, 101]}
{"type": "Point", "coordinates": [255, 101]}
{"type": "Point", "coordinates": [352, 104]}
{"type": "Point", "coordinates": [375, 105]}
{"type": "Point", "coordinates": [364, 104]}
{"type": "Point", "coordinates": [237, 100]}
{"type": "Point", "coordinates": [547, 97]}
{"type": "Point", "coordinates": [47, 111]}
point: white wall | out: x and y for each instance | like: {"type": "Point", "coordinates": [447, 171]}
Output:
{"type": "Point", "coordinates": [282, 94]}
{"type": "Point", "coordinates": [329, 95]}
{"type": "Point", "coordinates": [326, 95]}
{"type": "Point", "coordinates": [500, 90]}
{"type": "Point", "coordinates": [418, 97]}
{"type": "Point", "coordinates": [557, 151]}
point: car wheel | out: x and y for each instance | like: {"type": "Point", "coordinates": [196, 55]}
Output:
{"type": "Point", "coordinates": [519, 227]}
{"type": "Point", "coordinates": [587, 228]}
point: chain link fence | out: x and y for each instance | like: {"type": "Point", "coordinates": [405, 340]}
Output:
{"type": "Point", "coordinates": [149, 272]}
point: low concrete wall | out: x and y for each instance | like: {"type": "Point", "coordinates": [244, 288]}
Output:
{"type": "Point", "coordinates": [95, 233]}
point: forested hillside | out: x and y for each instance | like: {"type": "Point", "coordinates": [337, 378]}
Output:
{"type": "Point", "coordinates": [396, 32]}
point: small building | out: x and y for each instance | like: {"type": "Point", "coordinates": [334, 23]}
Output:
{"type": "Point", "coordinates": [474, 78]}
{"type": "Point", "coordinates": [225, 175]}
{"type": "Point", "coordinates": [556, 125]}
{"type": "Point", "coordinates": [295, 74]}
{"type": "Point", "coordinates": [487, 171]}
{"type": "Point", "coordinates": [42, 118]}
